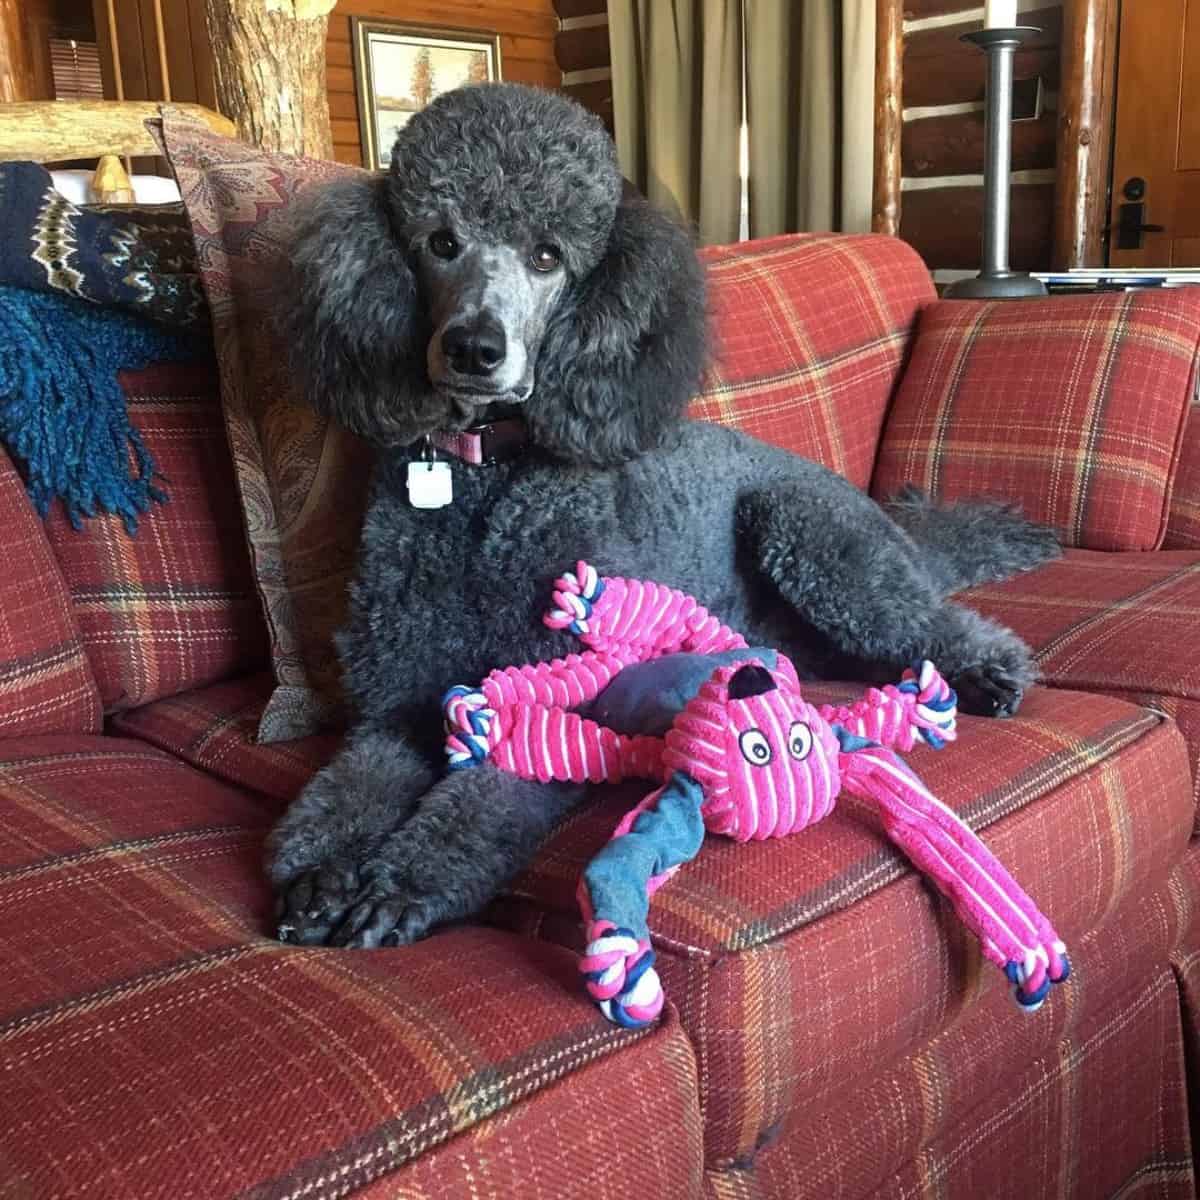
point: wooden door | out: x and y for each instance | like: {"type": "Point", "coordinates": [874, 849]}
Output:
{"type": "Point", "coordinates": [1158, 132]}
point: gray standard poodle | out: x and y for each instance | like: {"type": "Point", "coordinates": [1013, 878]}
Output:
{"type": "Point", "coordinates": [499, 267]}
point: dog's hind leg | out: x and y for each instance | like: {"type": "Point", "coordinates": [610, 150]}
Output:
{"type": "Point", "coordinates": [858, 579]}
{"type": "Point", "coordinates": [467, 838]}
{"type": "Point", "coordinates": [975, 541]}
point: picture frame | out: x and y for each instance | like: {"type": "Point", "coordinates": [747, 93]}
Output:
{"type": "Point", "coordinates": [400, 67]}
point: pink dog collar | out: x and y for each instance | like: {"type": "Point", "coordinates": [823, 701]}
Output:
{"type": "Point", "coordinates": [482, 445]}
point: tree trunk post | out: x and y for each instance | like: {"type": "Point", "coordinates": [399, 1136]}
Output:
{"type": "Point", "coordinates": [889, 52]}
{"type": "Point", "coordinates": [269, 62]}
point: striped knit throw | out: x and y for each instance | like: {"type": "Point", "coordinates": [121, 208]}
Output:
{"type": "Point", "coordinates": [63, 414]}
{"type": "Point", "coordinates": [747, 757]}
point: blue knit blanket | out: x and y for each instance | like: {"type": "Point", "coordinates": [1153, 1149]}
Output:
{"type": "Point", "coordinates": [63, 415]}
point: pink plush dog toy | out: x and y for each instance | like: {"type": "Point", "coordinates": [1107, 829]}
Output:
{"type": "Point", "coordinates": [747, 757]}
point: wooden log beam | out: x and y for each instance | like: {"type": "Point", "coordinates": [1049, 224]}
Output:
{"type": "Point", "coordinates": [889, 104]}
{"type": "Point", "coordinates": [57, 130]}
{"type": "Point", "coordinates": [583, 49]}
{"type": "Point", "coordinates": [1085, 118]}
{"type": "Point", "coordinates": [915, 9]}
{"type": "Point", "coordinates": [954, 145]}
{"type": "Point", "coordinates": [944, 226]}
{"type": "Point", "coordinates": [940, 69]}
{"type": "Point", "coordinates": [269, 61]}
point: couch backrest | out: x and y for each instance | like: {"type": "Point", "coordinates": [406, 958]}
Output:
{"type": "Point", "coordinates": [174, 606]}
{"type": "Point", "coordinates": [46, 685]}
{"type": "Point", "coordinates": [810, 336]}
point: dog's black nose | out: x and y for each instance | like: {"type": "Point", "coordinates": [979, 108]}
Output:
{"type": "Point", "coordinates": [476, 347]}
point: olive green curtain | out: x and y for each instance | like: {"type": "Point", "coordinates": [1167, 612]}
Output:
{"type": "Point", "coordinates": [800, 72]}
{"type": "Point", "coordinates": [677, 106]}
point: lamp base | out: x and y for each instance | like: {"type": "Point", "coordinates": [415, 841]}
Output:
{"type": "Point", "coordinates": [1011, 286]}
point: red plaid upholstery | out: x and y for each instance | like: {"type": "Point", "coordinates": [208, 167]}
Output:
{"type": "Point", "coordinates": [810, 335]}
{"type": "Point", "coordinates": [1183, 522]}
{"type": "Point", "coordinates": [1073, 406]}
{"type": "Point", "coordinates": [46, 684]}
{"type": "Point", "coordinates": [1113, 623]}
{"type": "Point", "coordinates": [155, 1044]}
{"type": "Point", "coordinates": [214, 728]}
{"type": "Point", "coordinates": [800, 965]}
{"type": "Point", "coordinates": [174, 606]}
{"type": "Point", "coordinates": [1186, 962]}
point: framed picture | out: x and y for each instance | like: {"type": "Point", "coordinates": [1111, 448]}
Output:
{"type": "Point", "coordinates": [399, 68]}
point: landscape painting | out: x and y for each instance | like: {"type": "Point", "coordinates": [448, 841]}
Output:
{"type": "Point", "coordinates": [398, 69]}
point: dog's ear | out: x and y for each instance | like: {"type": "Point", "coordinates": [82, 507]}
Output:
{"type": "Point", "coordinates": [625, 350]}
{"type": "Point", "coordinates": [347, 310]}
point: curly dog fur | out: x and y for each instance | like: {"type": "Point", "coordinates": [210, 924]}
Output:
{"type": "Point", "coordinates": [383, 845]}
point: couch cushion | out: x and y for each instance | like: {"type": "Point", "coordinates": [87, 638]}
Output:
{"type": "Point", "coordinates": [799, 965]}
{"type": "Point", "coordinates": [1183, 523]}
{"type": "Point", "coordinates": [1073, 407]}
{"type": "Point", "coordinates": [46, 684]}
{"type": "Point", "coordinates": [173, 606]}
{"type": "Point", "coordinates": [214, 729]}
{"type": "Point", "coordinates": [155, 1044]}
{"type": "Point", "coordinates": [810, 334]}
{"type": "Point", "coordinates": [1124, 624]}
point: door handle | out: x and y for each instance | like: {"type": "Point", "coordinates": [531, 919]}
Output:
{"type": "Point", "coordinates": [1131, 226]}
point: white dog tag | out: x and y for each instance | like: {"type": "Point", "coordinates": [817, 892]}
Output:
{"type": "Point", "coordinates": [430, 484]}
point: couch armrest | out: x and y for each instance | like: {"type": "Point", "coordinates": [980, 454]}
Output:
{"type": "Point", "coordinates": [1073, 406]}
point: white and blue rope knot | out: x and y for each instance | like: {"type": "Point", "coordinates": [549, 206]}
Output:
{"type": "Point", "coordinates": [578, 596]}
{"type": "Point", "coordinates": [468, 725]}
{"type": "Point", "coordinates": [940, 711]}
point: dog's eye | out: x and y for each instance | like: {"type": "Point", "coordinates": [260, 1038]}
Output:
{"type": "Point", "coordinates": [544, 257]}
{"type": "Point", "coordinates": [443, 244]}
{"type": "Point", "coordinates": [800, 741]}
{"type": "Point", "coordinates": [756, 750]}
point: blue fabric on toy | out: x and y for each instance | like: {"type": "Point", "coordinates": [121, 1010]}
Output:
{"type": "Point", "coordinates": [647, 697]}
{"type": "Point", "coordinates": [671, 832]}
{"type": "Point", "coordinates": [63, 415]}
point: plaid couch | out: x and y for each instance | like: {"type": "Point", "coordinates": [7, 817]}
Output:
{"type": "Point", "coordinates": [831, 1031]}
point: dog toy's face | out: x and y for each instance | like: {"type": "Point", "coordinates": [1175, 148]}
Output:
{"type": "Point", "coordinates": [766, 760]}
{"type": "Point", "coordinates": [503, 196]}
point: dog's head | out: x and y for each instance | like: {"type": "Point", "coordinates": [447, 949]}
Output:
{"type": "Point", "coordinates": [498, 262]}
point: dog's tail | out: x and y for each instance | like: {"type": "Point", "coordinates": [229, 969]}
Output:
{"type": "Point", "coordinates": [971, 542]}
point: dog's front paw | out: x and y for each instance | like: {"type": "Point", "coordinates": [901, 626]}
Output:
{"type": "Point", "coordinates": [311, 905]}
{"type": "Point", "coordinates": [391, 910]}
{"type": "Point", "coordinates": [989, 690]}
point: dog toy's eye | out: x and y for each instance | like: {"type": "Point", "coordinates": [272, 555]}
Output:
{"type": "Point", "coordinates": [443, 244]}
{"type": "Point", "coordinates": [755, 748]}
{"type": "Point", "coordinates": [800, 740]}
{"type": "Point", "coordinates": [545, 258]}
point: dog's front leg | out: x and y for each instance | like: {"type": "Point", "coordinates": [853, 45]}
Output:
{"type": "Point", "coordinates": [468, 837]}
{"type": "Point", "coordinates": [319, 853]}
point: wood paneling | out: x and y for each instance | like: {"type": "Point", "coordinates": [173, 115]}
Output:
{"type": "Point", "coordinates": [954, 145]}
{"type": "Point", "coordinates": [945, 226]}
{"type": "Point", "coordinates": [526, 27]}
{"type": "Point", "coordinates": [940, 69]}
